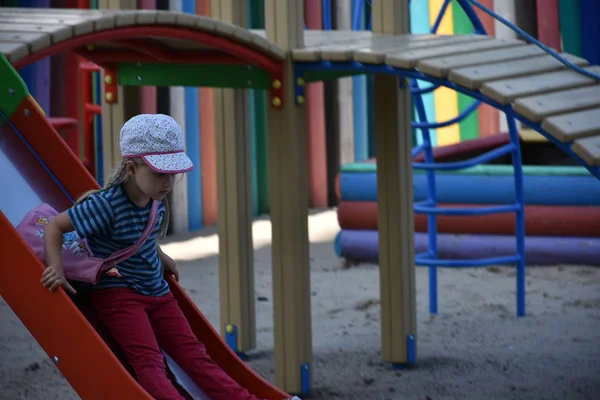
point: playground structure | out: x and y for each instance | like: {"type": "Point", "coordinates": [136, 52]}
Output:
{"type": "Point", "coordinates": [282, 60]}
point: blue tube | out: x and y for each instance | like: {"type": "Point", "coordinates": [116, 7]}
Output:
{"type": "Point", "coordinates": [449, 122]}
{"type": "Point", "coordinates": [359, 94]}
{"type": "Point", "coordinates": [419, 23]}
{"type": "Point", "coordinates": [483, 158]}
{"type": "Point", "coordinates": [192, 141]}
{"type": "Point", "coordinates": [431, 200]}
{"type": "Point", "coordinates": [99, 121]}
{"type": "Point", "coordinates": [440, 16]}
{"type": "Point", "coordinates": [590, 30]}
{"type": "Point", "coordinates": [520, 213]}
{"type": "Point", "coordinates": [327, 21]}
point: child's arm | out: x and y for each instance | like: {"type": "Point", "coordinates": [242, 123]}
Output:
{"type": "Point", "coordinates": [168, 263]}
{"type": "Point", "coordinates": [54, 275]}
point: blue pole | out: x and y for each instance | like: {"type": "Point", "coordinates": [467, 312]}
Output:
{"type": "Point", "coordinates": [359, 93]}
{"type": "Point", "coordinates": [419, 23]}
{"type": "Point", "coordinates": [590, 30]}
{"type": "Point", "coordinates": [192, 126]}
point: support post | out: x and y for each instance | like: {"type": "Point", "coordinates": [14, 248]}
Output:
{"type": "Point", "coordinates": [234, 197]}
{"type": "Point", "coordinates": [395, 197]}
{"type": "Point", "coordinates": [115, 113]}
{"type": "Point", "coordinates": [288, 173]}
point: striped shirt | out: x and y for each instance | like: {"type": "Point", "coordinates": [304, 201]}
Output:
{"type": "Point", "coordinates": [110, 221]}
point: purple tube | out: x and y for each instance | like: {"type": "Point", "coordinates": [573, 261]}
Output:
{"type": "Point", "coordinates": [41, 87]}
{"type": "Point", "coordinates": [363, 245]}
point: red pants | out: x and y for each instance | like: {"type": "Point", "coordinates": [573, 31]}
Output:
{"type": "Point", "coordinates": [144, 324]}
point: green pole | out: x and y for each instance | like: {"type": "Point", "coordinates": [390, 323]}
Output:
{"type": "Point", "coordinates": [252, 118]}
{"type": "Point", "coordinates": [469, 127]}
{"type": "Point", "coordinates": [258, 99]}
{"type": "Point", "coordinates": [570, 29]}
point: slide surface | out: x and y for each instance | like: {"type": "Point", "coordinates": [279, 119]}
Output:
{"type": "Point", "coordinates": [36, 166]}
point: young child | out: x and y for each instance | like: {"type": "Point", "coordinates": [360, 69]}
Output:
{"type": "Point", "coordinates": [133, 299]}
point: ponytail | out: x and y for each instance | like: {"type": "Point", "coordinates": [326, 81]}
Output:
{"type": "Point", "coordinates": [117, 177]}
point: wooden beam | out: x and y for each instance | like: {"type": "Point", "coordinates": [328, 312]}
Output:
{"type": "Point", "coordinates": [234, 197]}
{"type": "Point", "coordinates": [115, 114]}
{"type": "Point", "coordinates": [395, 197]}
{"type": "Point", "coordinates": [288, 174]}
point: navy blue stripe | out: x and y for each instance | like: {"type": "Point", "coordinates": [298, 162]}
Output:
{"type": "Point", "coordinates": [110, 222]}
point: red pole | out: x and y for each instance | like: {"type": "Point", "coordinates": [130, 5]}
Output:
{"type": "Point", "coordinates": [548, 23]}
{"type": "Point", "coordinates": [489, 118]}
{"type": "Point", "coordinates": [315, 114]}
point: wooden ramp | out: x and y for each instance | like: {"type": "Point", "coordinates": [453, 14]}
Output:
{"type": "Point", "coordinates": [560, 103]}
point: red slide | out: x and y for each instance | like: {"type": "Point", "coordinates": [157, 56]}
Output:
{"type": "Point", "coordinates": [36, 166]}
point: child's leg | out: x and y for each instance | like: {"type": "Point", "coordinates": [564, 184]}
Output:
{"type": "Point", "coordinates": [176, 337]}
{"type": "Point", "coordinates": [124, 312]}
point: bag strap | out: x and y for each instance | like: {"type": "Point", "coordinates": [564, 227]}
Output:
{"type": "Point", "coordinates": [122, 255]}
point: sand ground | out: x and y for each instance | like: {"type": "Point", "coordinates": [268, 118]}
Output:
{"type": "Point", "coordinates": [475, 348]}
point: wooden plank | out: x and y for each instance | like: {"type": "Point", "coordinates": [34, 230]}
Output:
{"type": "Point", "coordinates": [234, 196]}
{"type": "Point", "coordinates": [378, 51]}
{"type": "Point", "coordinates": [57, 33]}
{"type": "Point", "coordinates": [315, 53]}
{"type": "Point", "coordinates": [474, 77]}
{"type": "Point", "coordinates": [536, 108]}
{"type": "Point", "coordinates": [439, 67]}
{"type": "Point", "coordinates": [394, 190]}
{"type": "Point", "coordinates": [345, 53]}
{"type": "Point", "coordinates": [506, 91]}
{"type": "Point", "coordinates": [344, 111]}
{"type": "Point", "coordinates": [316, 38]}
{"type": "Point", "coordinates": [34, 41]}
{"type": "Point", "coordinates": [14, 51]}
{"type": "Point", "coordinates": [588, 149]}
{"type": "Point", "coordinates": [411, 59]}
{"type": "Point", "coordinates": [100, 21]}
{"type": "Point", "coordinates": [573, 126]}
{"type": "Point", "coordinates": [53, 11]}
{"type": "Point", "coordinates": [79, 27]}
{"type": "Point", "coordinates": [288, 186]}
{"type": "Point", "coordinates": [372, 56]}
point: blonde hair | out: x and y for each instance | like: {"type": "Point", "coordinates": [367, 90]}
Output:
{"type": "Point", "coordinates": [119, 176]}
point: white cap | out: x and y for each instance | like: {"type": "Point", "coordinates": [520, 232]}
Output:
{"type": "Point", "coordinates": [158, 140]}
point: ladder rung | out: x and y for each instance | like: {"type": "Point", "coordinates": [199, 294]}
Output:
{"type": "Point", "coordinates": [490, 155]}
{"type": "Point", "coordinates": [426, 259]}
{"type": "Point", "coordinates": [424, 208]}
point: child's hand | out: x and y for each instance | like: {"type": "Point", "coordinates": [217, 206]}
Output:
{"type": "Point", "coordinates": [170, 267]}
{"type": "Point", "coordinates": [54, 278]}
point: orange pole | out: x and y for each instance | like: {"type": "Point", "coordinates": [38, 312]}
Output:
{"type": "Point", "coordinates": [207, 141]}
{"type": "Point", "coordinates": [315, 114]}
{"type": "Point", "coordinates": [489, 117]}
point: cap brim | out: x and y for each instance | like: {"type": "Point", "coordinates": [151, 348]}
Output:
{"type": "Point", "coordinates": [173, 163]}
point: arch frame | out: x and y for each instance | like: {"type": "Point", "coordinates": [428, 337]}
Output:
{"type": "Point", "coordinates": [226, 51]}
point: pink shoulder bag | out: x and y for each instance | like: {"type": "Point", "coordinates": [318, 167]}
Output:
{"type": "Point", "coordinates": [78, 261]}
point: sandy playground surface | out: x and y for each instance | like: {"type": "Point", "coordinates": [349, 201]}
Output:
{"type": "Point", "coordinates": [475, 348]}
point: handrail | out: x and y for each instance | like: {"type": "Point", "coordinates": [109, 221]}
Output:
{"type": "Point", "coordinates": [532, 39]}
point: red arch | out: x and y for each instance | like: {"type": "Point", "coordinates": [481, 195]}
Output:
{"type": "Point", "coordinates": [228, 50]}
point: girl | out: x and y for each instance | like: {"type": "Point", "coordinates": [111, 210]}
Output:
{"type": "Point", "coordinates": [133, 299]}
